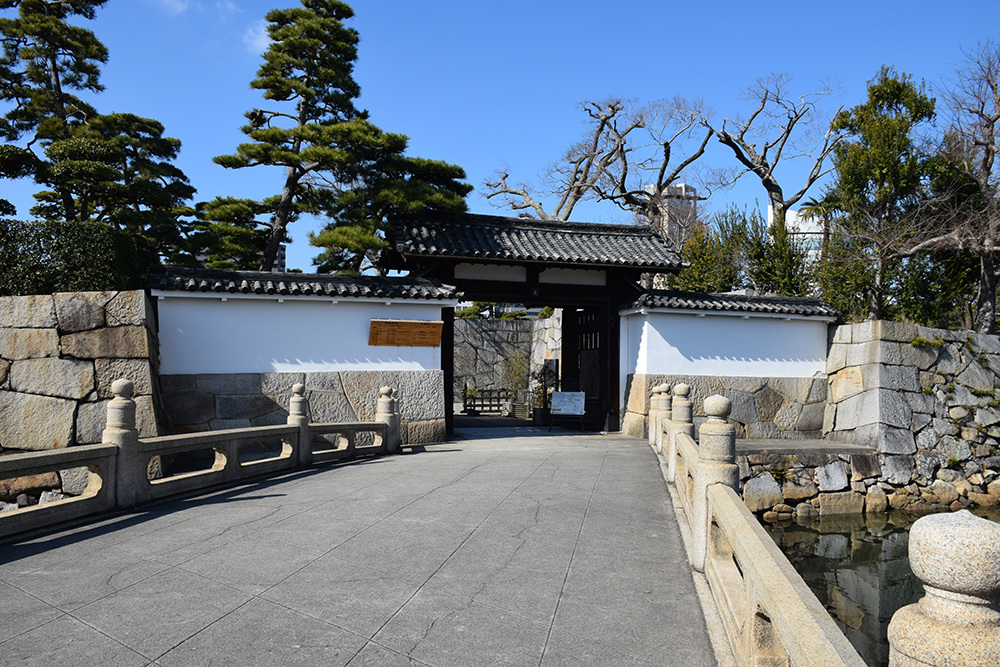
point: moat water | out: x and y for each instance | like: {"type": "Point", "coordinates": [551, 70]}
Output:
{"type": "Point", "coordinates": [858, 568]}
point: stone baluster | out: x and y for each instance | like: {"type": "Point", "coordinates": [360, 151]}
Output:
{"type": "Point", "coordinates": [120, 431]}
{"type": "Point", "coordinates": [655, 412]}
{"type": "Point", "coordinates": [298, 415]}
{"type": "Point", "coordinates": [957, 622]}
{"type": "Point", "coordinates": [665, 410]}
{"type": "Point", "coordinates": [716, 465]}
{"type": "Point", "coordinates": [385, 412]}
{"type": "Point", "coordinates": [680, 422]}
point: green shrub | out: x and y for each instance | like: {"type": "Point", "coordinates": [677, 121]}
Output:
{"type": "Point", "coordinates": [49, 256]}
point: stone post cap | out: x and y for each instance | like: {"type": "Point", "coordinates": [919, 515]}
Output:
{"type": "Point", "coordinates": [957, 552]}
{"type": "Point", "coordinates": [298, 389]}
{"type": "Point", "coordinates": [385, 391]}
{"type": "Point", "coordinates": [122, 388]}
{"type": "Point", "coordinates": [718, 407]}
{"type": "Point", "coordinates": [681, 390]}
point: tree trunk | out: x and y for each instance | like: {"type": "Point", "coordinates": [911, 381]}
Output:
{"type": "Point", "coordinates": [281, 215]}
{"type": "Point", "coordinates": [986, 300]}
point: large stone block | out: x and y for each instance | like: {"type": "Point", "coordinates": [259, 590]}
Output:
{"type": "Point", "coordinates": [837, 358]}
{"type": "Point", "coordinates": [16, 344]}
{"type": "Point", "coordinates": [977, 377]}
{"type": "Point", "coordinates": [330, 406]}
{"type": "Point", "coordinates": [832, 476]}
{"type": "Point", "coordinates": [637, 390]}
{"type": "Point", "coordinates": [811, 417]}
{"type": "Point", "coordinates": [243, 406]}
{"type": "Point", "coordinates": [35, 422]}
{"type": "Point", "coordinates": [744, 407]}
{"type": "Point", "coordinates": [275, 418]}
{"type": "Point", "coordinates": [12, 487]}
{"type": "Point", "coordinates": [427, 431]}
{"type": "Point", "coordinates": [861, 354]}
{"type": "Point", "coordinates": [794, 389]}
{"type": "Point", "coordinates": [761, 493]}
{"type": "Point", "coordinates": [763, 431]}
{"type": "Point", "coordinates": [749, 385]}
{"type": "Point", "coordinates": [876, 502]}
{"type": "Point", "coordinates": [844, 502]}
{"type": "Point", "coordinates": [922, 357]}
{"type": "Point", "coordinates": [901, 332]}
{"type": "Point", "coordinates": [634, 425]}
{"type": "Point", "coordinates": [886, 439]}
{"type": "Point", "coordinates": [864, 466]}
{"type": "Point", "coordinates": [136, 370]}
{"type": "Point", "coordinates": [818, 389]}
{"type": "Point", "coordinates": [952, 448]}
{"type": "Point", "coordinates": [788, 416]}
{"type": "Point", "coordinates": [4, 372]}
{"type": "Point", "coordinates": [280, 383]}
{"type": "Point", "coordinates": [768, 403]}
{"type": "Point", "coordinates": [189, 407]}
{"type": "Point", "coordinates": [900, 378]}
{"type": "Point", "coordinates": [843, 334]}
{"type": "Point", "coordinates": [130, 308]}
{"type": "Point", "coordinates": [898, 470]}
{"type": "Point", "coordinates": [419, 394]}
{"type": "Point", "coordinates": [126, 342]}
{"type": "Point", "coordinates": [230, 383]}
{"type": "Point", "coordinates": [81, 311]}
{"type": "Point", "coordinates": [27, 312]}
{"type": "Point", "coordinates": [175, 384]}
{"type": "Point", "coordinates": [92, 418]}
{"type": "Point", "coordinates": [63, 378]}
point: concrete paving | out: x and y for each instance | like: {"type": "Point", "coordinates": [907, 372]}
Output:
{"type": "Point", "coordinates": [509, 547]}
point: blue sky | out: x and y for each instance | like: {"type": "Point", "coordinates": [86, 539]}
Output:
{"type": "Point", "coordinates": [493, 85]}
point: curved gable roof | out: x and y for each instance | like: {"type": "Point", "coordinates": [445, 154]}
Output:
{"type": "Point", "coordinates": [499, 239]}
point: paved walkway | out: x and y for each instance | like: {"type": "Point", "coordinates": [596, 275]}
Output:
{"type": "Point", "coordinates": [541, 550]}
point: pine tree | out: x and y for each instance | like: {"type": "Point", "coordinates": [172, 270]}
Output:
{"type": "Point", "coordinates": [335, 161]}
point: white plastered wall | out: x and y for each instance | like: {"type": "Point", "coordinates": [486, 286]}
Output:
{"type": "Point", "coordinates": [721, 344]}
{"type": "Point", "coordinates": [206, 334]}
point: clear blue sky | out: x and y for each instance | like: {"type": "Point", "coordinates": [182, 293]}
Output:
{"type": "Point", "coordinates": [488, 85]}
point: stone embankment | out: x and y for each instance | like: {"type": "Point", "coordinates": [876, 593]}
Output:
{"type": "Point", "coordinates": [59, 355]}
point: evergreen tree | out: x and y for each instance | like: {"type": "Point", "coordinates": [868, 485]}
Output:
{"type": "Point", "coordinates": [230, 234]}
{"type": "Point", "coordinates": [335, 161]}
{"type": "Point", "coordinates": [114, 169]}
{"type": "Point", "coordinates": [881, 172]}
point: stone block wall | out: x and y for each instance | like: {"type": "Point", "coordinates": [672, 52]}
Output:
{"type": "Point", "coordinates": [546, 340]}
{"type": "Point", "coordinates": [482, 350]}
{"type": "Point", "coordinates": [927, 400]}
{"type": "Point", "coordinates": [762, 407]}
{"type": "Point", "coordinates": [240, 400]}
{"type": "Point", "coordinates": [59, 355]}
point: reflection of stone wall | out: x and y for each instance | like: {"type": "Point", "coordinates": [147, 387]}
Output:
{"type": "Point", "coordinates": [928, 401]}
{"type": "Point", "coordinates": [858, 568]}
{"type": "Point", "coordinates": [239, 400]}
{"type": "Point", "coordinates": [59, 355]}
{"type": "Point", "coordinates": [546, 340]}
{"type": "Point", "coordinates": [481, 349]}
{"type": "Point", "coordinates": [762, 407]}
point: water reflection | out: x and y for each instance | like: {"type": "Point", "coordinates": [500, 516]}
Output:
{"type": "Point", "coordinates": [858, 568]}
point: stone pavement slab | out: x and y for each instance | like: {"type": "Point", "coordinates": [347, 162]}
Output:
{"type": "Point", "coordinates": [515, 548]}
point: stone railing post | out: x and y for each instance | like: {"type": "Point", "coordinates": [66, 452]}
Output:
{"type": "Point", "coordinates": [716, 465]}
{"type": "Point", "coordinates": [655, 410]}
{"type": "Point", "coordinates": [385, 412]}
{"type": "Point", "coordinates": [957, 622]}
{"type": "Point", "coordinates": [680, 421]}
{"type": "Point", "coordinates": [665, 410]}
{"type": "Point", "coordinates": [298, 415]}
{"type": "Point", "coordinates": [120, 431]}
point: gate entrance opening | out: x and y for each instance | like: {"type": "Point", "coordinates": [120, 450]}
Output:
{"type": "Point", "coordinates": [588, 270]}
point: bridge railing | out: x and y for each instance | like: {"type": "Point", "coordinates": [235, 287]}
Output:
{"type": "Point", "coordinates": [119, 469]}
{"type": "Point", "coordinates": [769, 614]}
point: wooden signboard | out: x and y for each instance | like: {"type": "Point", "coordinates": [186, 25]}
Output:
{"type": "Point", "coordinates": [405, 333]}
{"type": "Point", "coordinates": [568, 403]}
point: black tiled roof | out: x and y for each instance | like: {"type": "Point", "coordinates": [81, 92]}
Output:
{"type": "Point", "coordinates": [172, 278]}
{"type": "Point", "coordinates": [776, 305]}
{"type": "Point", "coordinates": [499, 239]}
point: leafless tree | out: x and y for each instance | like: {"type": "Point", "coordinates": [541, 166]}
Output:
{"type": "Point", "coordinates": [782, 127]}
{"type": "Point", "coordinates": [626, 157]}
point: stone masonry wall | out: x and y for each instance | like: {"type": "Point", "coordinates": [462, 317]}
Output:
{"type": "Point", "coordinates": [927, 400]}
{"type": "Point", "coordinates": [59, 355]}
{"type": "Point", "coordinates": [762, 407]}
{"type": "Point", "coordinates": [240, 400]}
{"type": "Point", "coordinates": [546, 341]}
{"type": "Point", "coordinates": [481, 349]}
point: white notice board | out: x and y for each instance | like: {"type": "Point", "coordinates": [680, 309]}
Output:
{"type": "Point", "coordinates": [567, 402]}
